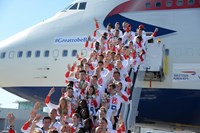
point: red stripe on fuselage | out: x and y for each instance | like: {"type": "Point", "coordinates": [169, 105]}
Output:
{"type": "Point", "coordinates": [140, 5]}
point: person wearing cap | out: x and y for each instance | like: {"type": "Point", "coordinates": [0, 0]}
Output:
{"type": "Point", "coordinates": [145, 38]}
{"type": "Point", "coordinates": [141, 26]}
{"type": "Point", "coordinates": [128, 34]}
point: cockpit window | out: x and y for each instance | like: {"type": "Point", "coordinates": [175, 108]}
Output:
{"type": "Point", "coordinates": [74, 7]}
{"type": "Point", "coordinates": [82, 5]}
{"type": "Point", "coordinates": [66, 8]}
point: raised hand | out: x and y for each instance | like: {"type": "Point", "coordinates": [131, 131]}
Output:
{"type": "Point", "coordinates": [88, 38]}
{"type": "Point", "coordinates": [37, 118]}
{"type": "Point", "coordinates": [32, 115]}
{"type": "Point", "coordinates": [75, 63]}
{"type": "Point", "coordinates": [37, 106]}
{"type": "Point", "coordinates": [68, 67]}
{"type": "Point", "coordinates": [95, 20]}
{"type": "Point", "coordinates": [156, 29]}
{"type": "Point", "coordinates": [11, 118]}
{"type": "Point", "coordinates": [51, 91]}
{"type": "Point", "coordinates": [63, 91]}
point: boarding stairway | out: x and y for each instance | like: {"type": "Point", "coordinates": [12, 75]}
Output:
{"type": "Point", "coordinates": [152, 69]}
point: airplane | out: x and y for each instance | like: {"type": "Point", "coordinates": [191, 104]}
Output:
{"type": "Point", "coordinates": [34, 60]}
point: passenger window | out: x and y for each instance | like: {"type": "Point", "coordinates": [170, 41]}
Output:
{"type": "Point", "coordinates": [190, 2]}
{"type": "Point", "coordinates": [82, 5]}
{"type": "Point", "coordinates": [84, 52]}
{"type": "Point", "coordinates": [11, 54]}
{"type": "Point", "coordinates": [74, 7]}
{"type": "Point", "coordinates": [169, 3]}
{"type": "Point", "coordinates": [148, 5]}
{"type": "Point", "coordinates": [28, 54]}
{"type": "Point", "coordinates": [3, 55]}
{"type": "Point", "coordinates": [20, 54]}
{"type": "Point", "coordinates": [37, 53]}
{"type": "Point", "coordinates": [55, 53]}
{"type": "Point", "coordinates": [46, 53]}
{"type": "Point", "coordinates": [74, 52]}
{"type": "Point", "coordinates": [158, 4]}
{"type": "Point", "coordinates": [179, 2]}
{"type": "Point", "coordinates": [65, 52]}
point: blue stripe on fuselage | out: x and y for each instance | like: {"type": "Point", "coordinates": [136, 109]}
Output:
{"type": "Point", "coordinates": [135, 24]}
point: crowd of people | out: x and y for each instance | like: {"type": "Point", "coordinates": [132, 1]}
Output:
{"type": "Point", "coordinates": [96, 86]}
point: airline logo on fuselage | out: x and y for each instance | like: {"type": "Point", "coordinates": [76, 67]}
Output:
{"type": "Point", "coordinates": [70, 40]}
{"type": "Point", "coordinates": [186, 72]}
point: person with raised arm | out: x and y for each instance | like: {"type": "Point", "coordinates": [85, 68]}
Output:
{"type": "Point", "coordinates": [116, 98]}
{"type": "Point", "coordinates": [34, 129]}
{"type": "Point", "coordinates": [11, 120]}
{"type": "Point", "coordinates": [62, 107]}
{"type": "Point", "coordinates": [128, 34]}
{"type": "Point", "coordinates": [27, 125]}
{"type": "Point", "coordinates": [145, 38]}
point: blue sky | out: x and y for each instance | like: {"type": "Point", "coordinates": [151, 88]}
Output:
{"type": "Point", "coordinates": [17, 15]}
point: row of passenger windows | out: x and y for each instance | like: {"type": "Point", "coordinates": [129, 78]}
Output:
{"type": "Point", "coordinates": [37, 54]}
{"type": "Point", "coordinates": [169, 3]}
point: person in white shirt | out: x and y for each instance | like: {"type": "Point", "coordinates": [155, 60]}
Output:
{"type": "Point", "coordinates": [99, 89]}
{"type": "Point", "coordinates": [102, 114]}
{"type": "Point", "coordinates": [103, 125]}
{"type": "Point", "coordinates": [75, 122]}
{"type": "Point", "coordinates": [54, 122]}
{"type": "Point", "coordinates": [46, 124]}
{"type": "Point", "coordinates": [116, 98]}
